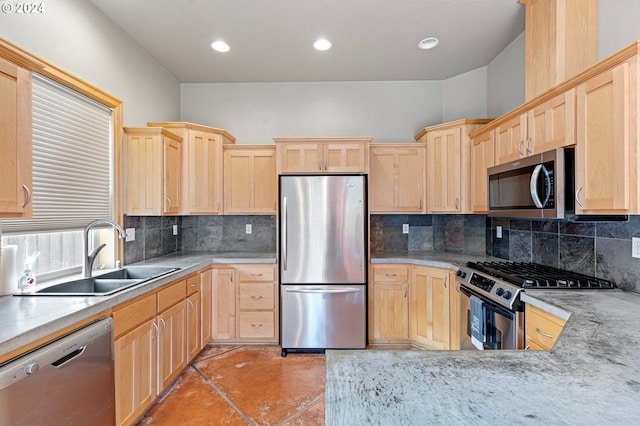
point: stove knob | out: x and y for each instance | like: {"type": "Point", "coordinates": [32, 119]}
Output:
{"type": "Point", "coordinates": [461, 273]}
{"type": "Point", "coordinates": [32, 368]}
{"type": "Point", "coordinates": [499, 291]}
{"type": "Point", "coordinates": [507, 295]}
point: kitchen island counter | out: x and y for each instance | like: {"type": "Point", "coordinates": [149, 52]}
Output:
{"type": "Point", "coordinates": [591, 376]}
{"type": "Point", "coordinates": [26, 319]}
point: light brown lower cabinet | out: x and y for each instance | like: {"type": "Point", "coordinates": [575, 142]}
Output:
{"type": "Point", "coordinates": [430, 317]}
{"type": "Point", "coordinates": [389, 309]}
{"type": "Point", "coordinates": [541, 328]}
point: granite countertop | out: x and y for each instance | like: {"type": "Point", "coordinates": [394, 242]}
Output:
{"type": "Point", "coordinates": [447, 260]}
{"type": "Point", "coordinates": [25, 319]}
{"type": "Point", "coordinates": [591, 376]}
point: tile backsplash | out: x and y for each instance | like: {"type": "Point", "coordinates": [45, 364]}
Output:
{"type": "Point", "coordinates": [602, 249]}
{"type": "Point", "coordinates": [154, 235]}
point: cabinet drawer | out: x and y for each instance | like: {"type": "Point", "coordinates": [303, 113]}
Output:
{"type": "Point", "coordinates": [193, 284]}
{"type": "Point", "coordinates": [255, 273]}
{"type": "Point", "coordinates": [131, 316]}
{"type": "Point", "coordinates": [257, 324]}
{"type": "Point", "coordinates": [256, 296]}
{"type": "Point", "coordinates": [171, 295]}
{"type": "Point", "coordinates": [390, 273]}
{"type": "Point", "coordinates": [542, 327]}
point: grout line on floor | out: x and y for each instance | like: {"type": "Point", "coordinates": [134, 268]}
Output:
{"type": "Point", "coordinates": [293, 416]}
{"type": "Point", "coordinates": [222, 394]}
{"type": "Point", "coordinates": [230, 349]}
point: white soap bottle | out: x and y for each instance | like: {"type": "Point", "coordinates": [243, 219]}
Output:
{"type": "Point", "coordinates": [27, 280]}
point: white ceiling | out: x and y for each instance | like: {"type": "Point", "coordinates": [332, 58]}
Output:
{"type": "Point", "coordinates": [271, 40]}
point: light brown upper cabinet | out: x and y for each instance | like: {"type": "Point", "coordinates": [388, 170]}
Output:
{"type": "Point", "coordinates": [606, 169]}
{"type": "Point", "coordinates": [482, 157]}
{"type": "Point", "coordinates": [322, 155]}
{"type": "Point", "coordinates": [560, 41]}
{"type": "Point", "coordinates": [15, 140]}
{"type": "Point", "coordinates": [448, 164]}
{"type": "Point", "coordinates": [202, 166]}
{"type": "Point", "coordinates": [397, 178]}
{"type": "Point", "coordinates": [250, 180]}
{"type": "Point", "coordinates": [544, 127]}
{"type": "Point", "coordinates": [153, 164]}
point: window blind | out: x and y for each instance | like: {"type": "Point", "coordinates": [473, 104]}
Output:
{"type": "Point", "coordinates": [72, 161]}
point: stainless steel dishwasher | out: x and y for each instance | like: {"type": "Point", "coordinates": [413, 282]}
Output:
{"type": "Point", "coordinates": [68, 381]}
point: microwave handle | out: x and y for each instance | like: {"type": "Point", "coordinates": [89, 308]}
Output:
{"type": "Point", "coordinates": [533, 187]}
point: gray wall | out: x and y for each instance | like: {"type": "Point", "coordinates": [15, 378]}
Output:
{"type": "Point", "coordinates": [618, 25]}
{"type": "Point", "coordinates": [505, 79]}
{"type": "Point", "coordinates": [465, 96]}
{"type": "Point", "coordinates": [77, 37]}
{"type": "Point", "coordinates": [257, 112]}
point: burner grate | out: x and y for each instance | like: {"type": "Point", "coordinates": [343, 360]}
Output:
{"type": "Point", "coordinates": [533, 275]}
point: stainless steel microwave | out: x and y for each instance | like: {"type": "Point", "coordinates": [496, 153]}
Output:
{"type": "Point", "coordinates": [531, 187]}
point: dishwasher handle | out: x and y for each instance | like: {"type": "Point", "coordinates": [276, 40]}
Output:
{"type": "Point", "coordinates": [69, 357]}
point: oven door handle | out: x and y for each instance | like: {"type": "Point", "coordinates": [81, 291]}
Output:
{"type": "Point", "coordinates": [533, 186]}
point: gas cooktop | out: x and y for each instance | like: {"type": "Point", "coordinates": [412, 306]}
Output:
{"type": "Point", "coordinates": [535, 276]}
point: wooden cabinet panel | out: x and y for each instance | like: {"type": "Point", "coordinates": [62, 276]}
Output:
{"type": "Point", "coordinates": [256, 309]}
{"type": "Point", "coordinates": [15, 141]}
{"type": "Point", "coordinates": [193, 326]}
{"type": "Point", "coordinates": [397, 178]}
{"type": "Point", "coordinates": [256, 273]}
{"type": "Point", "coordinates": [430, 309]}
{"type": "Point", "coordinates": [391, 273]}
{"type": "Point", "coordinates": [250, 185]}
{"type": "Point", "coordinates": [390, 311]}
{"type": "Point", "coordinates": [172, 344]}
{"type": "Point", "coordinates": [256, 325]}
{"type": "Point", "coordinates": [322, 155]}
{"type": "Point", "coordinates": [253, 296]}
{"type": "Point", "coordinates": [133, 314]}
{"type": "Point", "coordinates": [172, 294]}
{"type": "Point", "coordinates": [510, 138]}
{"type": "Point", "coordinates": [551, 124]}
{"type": "Point", "coordinates": [206, 308]}
{"type": "Point", "coordinates": [135, 361]}
{"type": "Point", "coordinates": [152, 171]}
{"type": "Point", "coordinates": [445, 170]}
{"type": "Point", "coordinates": [541, 328]}
{"type": "Point", "coordinates": [603, 143]}
{"type": "Point", "coordinates": [224, 304]}
{"type": "Point", "coordinates": [482, 157]}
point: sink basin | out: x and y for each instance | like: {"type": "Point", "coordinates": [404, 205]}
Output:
{"type": "Point", "coordinates": [105, 284]}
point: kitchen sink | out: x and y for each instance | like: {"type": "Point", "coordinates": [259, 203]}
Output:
{"type": "Point", "coordinates": [104, 284]}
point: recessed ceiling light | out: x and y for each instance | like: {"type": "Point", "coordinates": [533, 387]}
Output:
{"type": "Point", "coordinates": [428, 43]}
{"type": "Point", "coordinates": [322, 44]}
{"type": "Point", "coordinates": [220, 46]}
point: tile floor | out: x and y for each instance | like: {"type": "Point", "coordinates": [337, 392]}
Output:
{"type": "Point", "coordinates": [245, 385]}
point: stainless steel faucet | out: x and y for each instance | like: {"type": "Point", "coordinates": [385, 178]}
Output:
{"type": "Point", "coordinates": [89, 258]}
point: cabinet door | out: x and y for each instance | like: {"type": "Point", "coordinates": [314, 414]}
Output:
{"type": "Point", "coordinates": [224, 304]}
{"type": "Point", "coordinates": [541, 328]}
{"type": "Point", "coordinates": [344, 157]}
{"type": "Point", "coordinates": [300, 157]}
{"type": "Point", "coordinates": [15, 140]}
{"type": "Point", "coordinates": [143, 185]}
{"type": "Point", "coordinates": [602, 147]}
{"type": "Point", "coordinates": [250, 181]}
{"type": "Point", "coordinates": [203, 166]}
{"type": "Point", "coordinates": [136, 374]}
{"type": "Point", "coordinates": [193, 326]}
{"type": "Point", "coordinates": [445, 170]}
{"type": "Point", "coordinates": [482, 157]}
{"type": "Point", "coordinates": [510, 139]}
{"type": "Point", "coordinates": [397, 179]}
{"type": "Point", "coordinates": [205, 307]}
{"type": "Point", "coordinates": [172, 176]}
{"type": "Point", "coordinates": [430, 310]}
{"type": "Point", "coordinates": [390, 311]}
{"type": "Point", "coordinates": [172, 344]}
{"type": "Point", "coordinates": [551, 125]}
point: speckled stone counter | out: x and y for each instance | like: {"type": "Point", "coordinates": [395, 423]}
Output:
{"type": "Point", "coordinates": [591, 376]}
{"type": "Point", "coordinates": [429, 258]}
{"type": "Point", "coordinates": [25, 319]}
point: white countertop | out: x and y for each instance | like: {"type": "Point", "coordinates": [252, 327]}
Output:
{"type": "Point", "coordinates": [25, 319]}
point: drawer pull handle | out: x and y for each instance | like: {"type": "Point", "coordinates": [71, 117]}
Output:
{"type": "Point", "coordinates": [194, 285]}
{"type": "Point", "coordinates": [256, 325]}
{"type": "Point", "coordinates": [256, 275]}
{"type": "Point", "coordinates": [256, 297]}
{"type": "Point", "coordinates": [190, 304]}
{"type": "Point", "coordinates": [390, 275]}
{"type": "Point", "coordinates": [544, 334]}
{"type": "Point", "coordinates": [26, 189]}
{"type": "Point", "coordinates": [157, 331]}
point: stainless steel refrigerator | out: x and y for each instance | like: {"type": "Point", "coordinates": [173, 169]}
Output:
{"type": "Point", "coordinates": [323, 262]}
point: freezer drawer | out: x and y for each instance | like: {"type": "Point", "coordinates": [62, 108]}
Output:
{"type": "Point", "coordinates": [323, 317]}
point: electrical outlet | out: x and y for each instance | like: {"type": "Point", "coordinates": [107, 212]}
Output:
{"type": "Point", "coordinates": [175, 229]}
{"type": "Point", "coordinates": [247, 228]}
{"type": "Point", "coordinates": [130, 234]}
{"type": "Point", "coordinates": [405, 228]}
{"type": "Point", "coordinates": [498, 231]}
{"type": "Point", "coordinates": [635, 247]}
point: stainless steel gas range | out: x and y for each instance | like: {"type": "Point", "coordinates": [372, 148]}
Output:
{"type": "Point", "coordinates": [492, 315]}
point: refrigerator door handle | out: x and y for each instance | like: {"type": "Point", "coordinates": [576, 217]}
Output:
{"type": "Point", "coordinates": [322, 291]}
{"type": "Point", "coordinates": [284, 233]}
